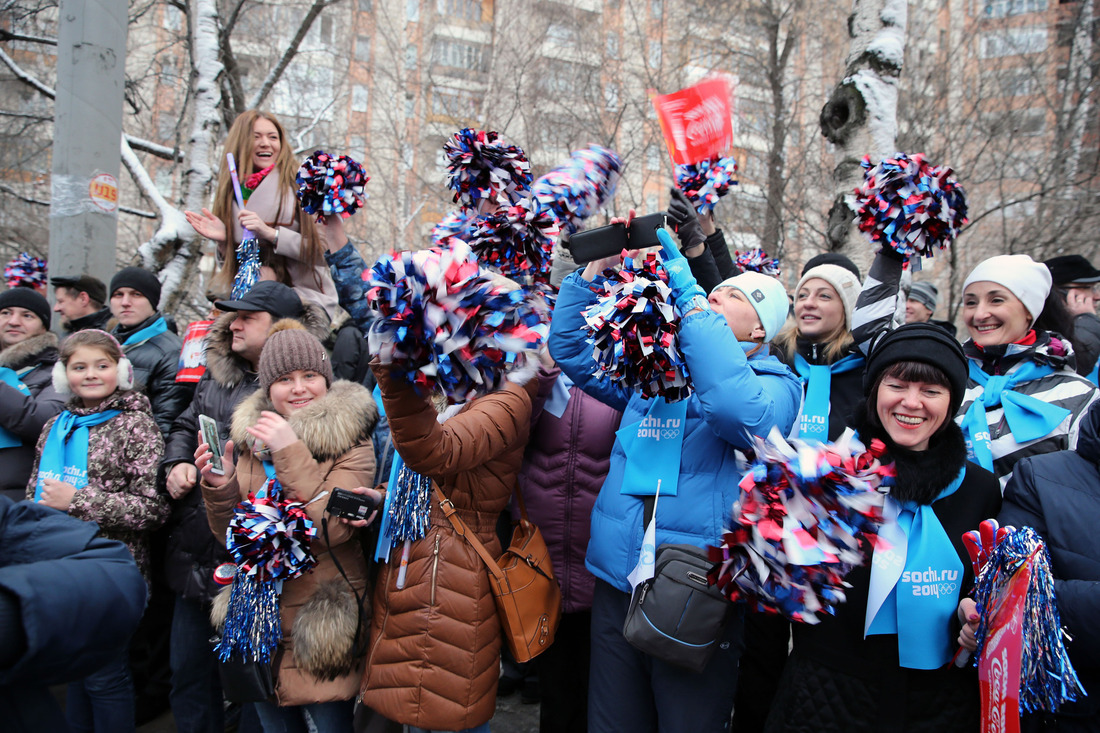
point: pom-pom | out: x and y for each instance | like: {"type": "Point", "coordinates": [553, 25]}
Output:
{"type": "Point", "coordinates": [707, 181]}
{"type": "Point", "coordinates": [910, 206]}
{"type": "Point", "coordinates": [459, 223]}
{"type": "Point", "coordinates": [633, 329]}
{"type": "Point", "coordinates": [248, 267]}
{"type": "Point", "coordinates": [515, 243]}
{"type": "Point", "coordinates": [440, 321]}
{"type": "Point", "coordinates": [330, 184]}
{"type": "Point", "coordinates": [25, 270]}
{"type": "Point", "coordinates": [797, 525]}
{"type": "Point", "coordinates": [1047, 677]}
{"type": "Point", "coordinates": [578, 189]}
{"type": "Point", "coordinates": [482, 166]}
{"type": "Point", "coordinates": [757, 260]}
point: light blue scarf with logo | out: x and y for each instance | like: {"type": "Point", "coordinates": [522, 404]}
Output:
{"type": "Point", "coordinates": [652, 447]}
{"type": "Point", "coordinates": [65, 452]}
{"type": "Point", "coordinates": [1028, 418]}
{"type": "Point", "coordinates": [818, 379]}
{"type": "Point", "coordinates": [915, 582]}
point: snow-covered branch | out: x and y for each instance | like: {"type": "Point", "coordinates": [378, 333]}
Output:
{"type": "Point", "coordinates": [6, 35]}
{"type": "Point", "coordinates": [25, 77]}
{"type": "Point", "coordinates": [148, 146]}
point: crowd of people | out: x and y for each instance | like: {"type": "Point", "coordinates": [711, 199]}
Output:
{"type": "Point", "coordinates": [396, 626]}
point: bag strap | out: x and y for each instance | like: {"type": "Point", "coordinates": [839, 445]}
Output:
{"type": "Point", "coordinates": [463, 531]}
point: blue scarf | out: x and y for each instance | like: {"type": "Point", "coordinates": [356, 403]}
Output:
{"type": "Point", "coordinates": [1028, 418]}
{"type": "Point", "coordinates": [817, 379]}
{"type": "Point", "coordinates": [652, 447]}
{"type": "Point", "coordinates": [65, 452]}
{"type": "Point", "coordinates": [915, 583]}
{"type": "Point", "coordinates": [8, 376]}
{"type": "Point", "coordinates": [137, 338]}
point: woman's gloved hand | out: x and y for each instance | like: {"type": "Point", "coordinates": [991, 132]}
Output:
{"type": "Point", "coordinates": [681, 212]}
{"type": "Point", "coordinates": [686, 293]}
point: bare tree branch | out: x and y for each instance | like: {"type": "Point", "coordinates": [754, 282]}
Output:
{"type": "Point", "coordinates": [25, 77]}
{"type": "Point", "coordinates": [291, 50]}
{"type": "Point", "coordinates": [6, 35]}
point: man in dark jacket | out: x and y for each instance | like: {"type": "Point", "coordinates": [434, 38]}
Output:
{"type": "Point", "coordinates": [27, 398]}
{"type": "Point", "coordinates": [233, 349]}
{"type": "Point", "coordinates": [80, 302]}
{"type": "Point", "coordinates": [1058, 494]}
{"type": "Point", "coordinates": [69, 600]}
{"type": "Point", "coordinates": [1077, 281]}
{"type": "Point", "coordinates": [148, 343]}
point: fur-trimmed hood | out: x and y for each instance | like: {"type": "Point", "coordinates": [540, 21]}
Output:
{"type": "Point", "coordinates": [229, 369]}
{"type": "Point", "coordinates": [40, 348]}
{"type": "Point", "coordinates": [329, 427]}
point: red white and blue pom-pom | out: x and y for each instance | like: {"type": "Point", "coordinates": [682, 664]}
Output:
{"type": "Point", "coordinates": [481, 166]}
{"type": "Point", "coordinates": [909, 205]}
{"type": "Point", "coordinates": [797, 525]}
{"type": "Point", "coordinates": [515, 244]}
{"type": "Point", "coordinates": [441, 322]}
{"type": "Point", "coordinates": [707, 181]}
{"type": "Point", "coordinates": [25, 270]}
{"type": "Point", "coordinates": [757, 260]}
{"type": "Point", "coordinates": [269, 538]}
{"type": "Point", "coordinates": [459, 223]}
{"type": "Point", "coordinates": [578, 189]}
{"type": "Point", "coordinates": [330, 184]}
{"type": "Point", "coordinates": [633, 328]}
{"type": "Point", "coordinates": [1047, 677]}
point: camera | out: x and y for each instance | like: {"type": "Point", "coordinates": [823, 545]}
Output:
{"type": "Point", "coordinates": [349, 505]}
{"type": "Point", "coordinates": [595, 244]}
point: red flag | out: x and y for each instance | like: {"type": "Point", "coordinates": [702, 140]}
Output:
{"type": "Point", "coordinates": [697, 122]}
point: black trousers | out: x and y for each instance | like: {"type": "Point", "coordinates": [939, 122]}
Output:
{"type": "Point", "coordinates": [563, 676]}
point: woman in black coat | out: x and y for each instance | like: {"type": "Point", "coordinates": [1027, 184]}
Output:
{"type": "Point", "coordinates": [883, 662]}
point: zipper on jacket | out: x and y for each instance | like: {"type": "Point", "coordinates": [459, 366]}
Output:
{"type": "Point", "coordinates": [435, 566]}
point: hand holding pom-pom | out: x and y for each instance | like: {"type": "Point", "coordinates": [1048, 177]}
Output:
{"type": "Point", "coordinates": [707, 181]}
{"type": "Point", "coordinates": [329, 184]}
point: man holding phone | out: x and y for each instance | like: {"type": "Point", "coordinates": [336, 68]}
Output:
{"type": "Point", "coordinates": [232, 355]}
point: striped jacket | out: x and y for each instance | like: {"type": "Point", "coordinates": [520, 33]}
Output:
{"type": "Point", "coordinates": [1064, 388]}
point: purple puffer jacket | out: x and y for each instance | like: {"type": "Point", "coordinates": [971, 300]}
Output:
{"type": "Point", "coordinates": [564, 467]}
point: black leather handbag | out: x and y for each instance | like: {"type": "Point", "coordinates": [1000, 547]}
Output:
{"type": "Point", "coordinates": [246, 681]}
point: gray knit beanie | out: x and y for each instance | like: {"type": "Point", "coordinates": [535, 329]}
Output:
{"type": "Point", "coordinates": [290, 347]}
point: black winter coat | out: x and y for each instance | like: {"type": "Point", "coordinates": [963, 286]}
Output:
{"type": "Point", "coordinates": [156, 363]}
{"type": "Point", "coordinates": [1058, 494]}
{"type": "Point", "coordinates": [100, 319]}
{"type": "Point", "coordinates": [25, 415]}
{"type": "Point", "coordinates": [837, 680]}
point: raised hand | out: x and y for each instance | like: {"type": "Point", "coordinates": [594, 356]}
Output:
{"type": "Point", "coordinates": [206, 224]}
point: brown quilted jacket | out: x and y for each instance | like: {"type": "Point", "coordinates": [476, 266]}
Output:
{"type": "Point", "coordinates": [333, 450]}
{"type": "Point", "coordinates": [435, 644]}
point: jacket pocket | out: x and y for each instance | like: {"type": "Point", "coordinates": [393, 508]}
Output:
{"type": "Point", "coordinates": [435, 566]}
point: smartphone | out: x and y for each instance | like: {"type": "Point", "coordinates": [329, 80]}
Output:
{"type": "Point", "coordinates": [595, 244]}
{"type": "Point", "coordinates": [209, 428]}
{"type": "Point", "coordinates": [349, 505]}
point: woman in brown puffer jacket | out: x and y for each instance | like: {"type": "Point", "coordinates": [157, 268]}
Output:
{"type": "Point", "coordinates": [316, 432]}
{"type": "Point", "coordinates": [435, 642]}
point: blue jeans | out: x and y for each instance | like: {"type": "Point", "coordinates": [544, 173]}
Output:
{"type": "Point", "coordinates": [103, 702]}
{"type": "Point", "coordinates": [326, 717]}
{"type": "Point", "coordinates": [483, 728]}
{"type": "Point", "coordinates": [196, 695]}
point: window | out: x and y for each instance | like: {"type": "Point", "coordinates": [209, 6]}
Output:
{"type": "Point", "coordinates": [652, 158]}
{"type": "Point", "coordinates": [410, 57]}
{"type": "Point", "coordinates": [412, 10]}
{"type": "Point", "coordinates": [359, 98]}
{"type": "Point", "coordinates": [459, 9]}
{"type": "Point", "coordinates": [365, 6]}
{"type": "Point", "coordinates": [611, 96]}
{"type": "Point", "coordinates": [1013, 41]}
{"type": "Point", "coordinates": [407, 156]}
{"type": "Point", "coordinates": [612, 46]}
{"type": "Point", "coordinates": [562, 35]}
{"type": "Point", "coordinates": [1006, 8]}
{"type": "Point", "coordinates": [453, 104]}
{"type": "Point", "coordinates": [362, 49]}
{"type": "Point", "coordinates": [459, 55]}
{"type": "Point", "coordinates": [656, 9]}
{"type": "Point", "coordinates": [328, 34]}
{"type": "Point", "coordinates": [1011, 82]}
{"type": "Point", "coordinates": [654, 54]}
{"type": "Point", "coordinates": [410, 106]}
{"type": "Point", "coordinates": [172, 17]}
{"type": "Point", "coordinates": [357, 147]}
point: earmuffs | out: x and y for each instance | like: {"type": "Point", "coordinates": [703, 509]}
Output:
{"type": "Point", "coordinates": [125, 373]}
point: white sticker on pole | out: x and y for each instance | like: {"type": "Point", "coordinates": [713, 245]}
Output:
{"type": "Point", "coordinates": [103, 191]}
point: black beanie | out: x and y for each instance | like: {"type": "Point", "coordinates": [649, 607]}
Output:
{"type": "Point", "coordinates": [832, 258]}
{"type": "Point", "coordinates": [140, 280]}
{"type": "Point", "coordinates": [21, 297]}
{"type": "Point", "coordinates": [925, 343]}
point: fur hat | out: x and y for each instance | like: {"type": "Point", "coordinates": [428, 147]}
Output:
{"type": "Point", "coordinates": [97, 339]}
{"type": "Point", "coordinates": [140, 280]}
{"type": "Point", "coordinates": [843, 282]}
{"type": "Point", "coordinates": [290, 347]}
{"type": "Point", "coordinates": [28, 299]}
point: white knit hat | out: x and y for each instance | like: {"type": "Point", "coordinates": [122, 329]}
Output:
{"type": "Point", "coordinates": [767, 297]}
{"type": "Point", "coordinates": [1028, 280]}
{"type": "Point", "coordinates": [844, 283]}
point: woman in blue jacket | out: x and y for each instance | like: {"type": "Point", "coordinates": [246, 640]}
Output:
{"type": "Point", "coordinates": [740, 392]}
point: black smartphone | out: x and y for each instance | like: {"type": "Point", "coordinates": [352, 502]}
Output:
{"type": "Point", "coordinates": [595, 244]}
{"type": "Point", "coordinates": [349, 505]}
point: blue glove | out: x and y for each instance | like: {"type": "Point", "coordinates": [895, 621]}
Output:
{"type": "Point", "coordinates": [683, 284]}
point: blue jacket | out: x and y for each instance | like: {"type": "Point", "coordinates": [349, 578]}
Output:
{"type": "Point", "coordinates": [1058, 494]}
{"type": "Point", "coordinates": [735, 397]}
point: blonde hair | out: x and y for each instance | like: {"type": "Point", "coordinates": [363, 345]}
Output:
{"type": "Point", "coordinates": [239, 143]}
{"type": "Point", "coordinates": [837, 342]}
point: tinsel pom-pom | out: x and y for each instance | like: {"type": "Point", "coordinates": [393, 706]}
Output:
{"type": "Point", "coordinates": [248, 267]}
{"type": "Point", "coordinates": [757, 260]}
{"type": "Point", "coordinates": [633, 329]}
{"type": "Point", "coordinates": [459, 223]}
{"type": "Point", "coordinates": [482, 166]}
{"type": "Point", "coordinates": [797, 525]}
{"type": "Point", "coordinates": [515, 243]}
{"type": "Point", "coordinates": [909, 205]}
{"type": "Point", "coordinates": [707, 181]}
{"type": "Point", "coordinates": [578, 189]}
{"type": "Point", "coordinates": [440, 321]}
{"type": "Point", "coordinates": [25, 270]}
{"type": "Point", "coordinates": [330, 184]}
{"type": "Point", "coordinates": [253, 621]}
{"type": "Point", "coordinates": [1047, 677]}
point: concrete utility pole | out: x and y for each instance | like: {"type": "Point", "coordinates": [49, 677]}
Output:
{"type": "Point", "coordinates": [91, 61]}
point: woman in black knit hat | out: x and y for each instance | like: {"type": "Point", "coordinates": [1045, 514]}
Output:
{"type": "Point", "coordinates": [883, 662]}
